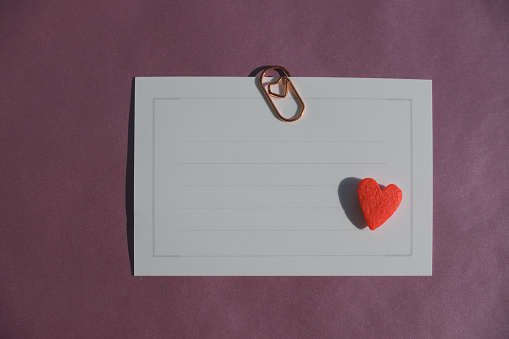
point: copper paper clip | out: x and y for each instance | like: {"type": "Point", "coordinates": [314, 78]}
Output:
{"type": "Point", "coordinates": [285, 82]}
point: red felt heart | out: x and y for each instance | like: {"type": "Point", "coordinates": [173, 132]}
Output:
{"type": "Point", "coordinates": [378, 205]}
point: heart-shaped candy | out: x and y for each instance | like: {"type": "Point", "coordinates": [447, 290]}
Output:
{"type": "Point", "coordinates": [378, 205]}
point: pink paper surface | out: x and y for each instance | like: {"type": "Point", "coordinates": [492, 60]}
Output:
{"type": "Point", "coordinates": [66, 69]}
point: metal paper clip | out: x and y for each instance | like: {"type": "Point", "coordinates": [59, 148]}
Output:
{"type": "Point", "coordinates": [285, 82]}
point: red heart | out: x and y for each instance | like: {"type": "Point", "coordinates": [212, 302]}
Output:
{"type": "Point", "coordinates": [378, 205]}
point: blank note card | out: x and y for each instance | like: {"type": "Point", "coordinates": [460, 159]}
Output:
{"type": "Point", "coordinates": [222, 187]}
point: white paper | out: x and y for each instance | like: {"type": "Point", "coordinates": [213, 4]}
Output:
{"type": "Point", "coordinates": [222, 187]}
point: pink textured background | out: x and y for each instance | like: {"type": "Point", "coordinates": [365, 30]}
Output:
{"type": "Point", "coordinates": [66, 69]}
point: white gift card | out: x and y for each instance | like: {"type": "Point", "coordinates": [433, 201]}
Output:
{"type": "Point", "coordinates": [222, 187]}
